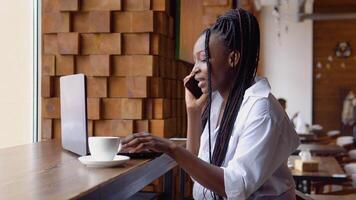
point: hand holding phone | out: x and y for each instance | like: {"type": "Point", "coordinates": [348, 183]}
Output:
{"type": "Point", "coordinates": [192, 86]}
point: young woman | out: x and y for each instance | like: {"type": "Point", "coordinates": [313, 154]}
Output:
{"type": "Point", "coordinates": [239, 137]}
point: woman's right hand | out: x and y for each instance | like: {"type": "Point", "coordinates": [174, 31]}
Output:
{"type": "Point", "coordinates": [193, 104]}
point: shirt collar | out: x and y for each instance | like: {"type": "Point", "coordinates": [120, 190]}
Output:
{"type": "Point", "coordinates": [260, 88]}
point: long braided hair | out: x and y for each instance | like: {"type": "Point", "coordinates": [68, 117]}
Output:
{"type": "Point", "coordinates": [240, 32]}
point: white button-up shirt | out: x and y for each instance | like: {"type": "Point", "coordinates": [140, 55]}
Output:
{"type": "Point", "coordinates": [263, 137]}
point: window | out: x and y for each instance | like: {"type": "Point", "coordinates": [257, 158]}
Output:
{"type": "Point", "coordinates": [18, 76]}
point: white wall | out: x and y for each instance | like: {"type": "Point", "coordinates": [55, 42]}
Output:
{"type": "Point", "coordinates": [16, 21]}
{"type": "Point", "coordinates": [287, 61]}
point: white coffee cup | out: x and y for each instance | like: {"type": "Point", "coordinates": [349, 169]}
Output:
{"type": "Point", "coordinates": [104, 148]}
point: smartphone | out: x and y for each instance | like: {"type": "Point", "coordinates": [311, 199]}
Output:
{"type": "Point", "coordinates": [192, 86]}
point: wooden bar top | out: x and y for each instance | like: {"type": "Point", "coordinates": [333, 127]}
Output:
{"type": "Point", "coordinates": [320, 149]}
{"type": "Point", "coordinates": [333, 197]}
{"type": "Point", "coordinates": [44, 171]}
{"type": "Point", "coordinates": [329, 169]}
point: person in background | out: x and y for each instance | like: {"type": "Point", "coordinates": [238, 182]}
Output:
{"type": "Point", "coordinates": [283, 103]}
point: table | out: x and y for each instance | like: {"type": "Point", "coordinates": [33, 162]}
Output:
{"type": "Point", "coordinates": [44, 171]}
{"type": "Point", "coordinates": [329, 170]}
{"type": "Point", "coordinates": [307, 138]}
{"type": "Point", "coordinates": [333, 197]}
{"type": "Point", "coordinates": [320, 149]}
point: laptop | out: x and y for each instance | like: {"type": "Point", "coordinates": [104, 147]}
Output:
{"type": "Point", "coordinates": [74, 114]}
{"type": "Point", "coordinates": [74, 118]}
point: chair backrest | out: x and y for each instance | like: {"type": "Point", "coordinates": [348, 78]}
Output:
{"type": "Point", "coordinates": [73, 114]}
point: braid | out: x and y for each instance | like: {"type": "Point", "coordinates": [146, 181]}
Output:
{"type": "Point", "coordinates": [207, 53]}
{"type": "Point", "coordinates": [240, 31]}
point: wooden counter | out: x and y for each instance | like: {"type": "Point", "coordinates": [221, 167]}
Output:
{"type": "Point", "coordinates": [45, 171]}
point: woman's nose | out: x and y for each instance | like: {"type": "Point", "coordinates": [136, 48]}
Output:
{"type": "Point", "coordinates": [196, 69]}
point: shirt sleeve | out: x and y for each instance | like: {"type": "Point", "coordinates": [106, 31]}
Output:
{"type": "Point", "coordinates": [263, 146]}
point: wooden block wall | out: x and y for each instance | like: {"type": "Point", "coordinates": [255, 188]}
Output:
{"type": "Point", "coordinates": [126, 50]}
{"type": "Point", "coordinates": [195, 17]}
{"type": "Point", "coordinates": [336, 81]}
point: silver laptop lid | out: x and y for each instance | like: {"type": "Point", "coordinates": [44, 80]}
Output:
{"type": "Point", "coordinates": [73, 114]}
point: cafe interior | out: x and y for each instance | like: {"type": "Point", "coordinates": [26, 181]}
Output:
{"type": "Point", "coordinates": [79, 76]}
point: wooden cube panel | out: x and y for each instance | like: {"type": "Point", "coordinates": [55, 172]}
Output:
{"type": "Point", "coordinates": [163, 127]}
{"type": "Point", "coordinates": [46, 129]}
{"type": "Point", "coordinates": [56, 86]}
{"type": "Point", "coordinates": [92, 22]}
{"type": "Point", "coordinates": [100, 21]}
{"type": "Point", "coordinates": [215, 2]}
{"type": "Point", "coordinates": [171, 28]}
{"type": "Point", "coordinates": [141, 126]}
{"type": "Point", "coordinates": [131, 77]}
{"type": "Point", "coordinates": [136, 5]}
{"type": "Point", "coordinates": [96, 86]}
{"type": "Point", "coordinates": [140, 22]}
{"type": "Point", "coordinates": [136, 43]}
{"type": "Point", "coordinates": [101, 43]}
{"type": "Point", "coordinates": [170, 48]}
{"type": "Point", "coordinates": [179, 129]}
{"type": "Point", "coordinates": [57, 131]}
{"type": "Point", "coordinates": [56, 22]}
{"type": "Point", "coordinates": [64, 65]}
{"type": "Point", "coordinates": [158, 45]}
{"type": "Point", "coordinates": [47, 86]}
{"type": "Point", "coordinates": [173, 70]}
{"type": "Point", "coordinates": [122, 22]}
{"type": "Point", "coordinates": [100, 65]}
{"type": "Point", "coordinates": [68, 43]}
{"type": "Point", "coordinates": [180, 110]}
{"type": "Point", "coordinates": [81, 22]}
{"type": "Point", "coordinates": [50, 45]}
{"type": "Point", "coordinates": [91, 5]}
{"type": "Point", "coordinates": [68, 5]}
{"type": "Point", "coordinates": [51, 108]}
{"type": "Point", "coordinates": [48, 65]}
{"type": "Point", "coordinates": [173, 89]}
{"type": "Point", "coordinates": [144, 44]}
{"type": "Point", "coordinates": [50, 6]}
{"type": "Point", "coordinates": [126, 22]}
{"type": "Point", "coordinates": [157, 87]}
{"type": "Point", "coordinates": [149, 109]}
{"type": "Point", "coordinates": [113, 127]}
{"type": "Point", "coordinates": [174, 107]}
{"type": "Point", "coordinates": [163, 68]}
{"type": "Point", "coordinates": [183, 69]}
{"type": "Point", "coordinates": [123, 108]}
{"type": "Point", "coordinates": [135, 65]}
{"type": "Point", "coordinates": [131, 87]}
{"type": "Point", "coordinates": [161, 108]}
{"type": "Point", "coordinates": [181, 89]}
{"type": "Point", "coordinates": [93, 108]}
{"type": "Point", "coordinates": [90, 128]}
{"type": "Point", "coordinates": [93, 65]}
{"type": "Point", "coordinates": [160, 22]}
{"type": "Point", "coordinates": [132, 108]}
{"type": "Point", "coordinates": [161, 5]}
{"type": "Point", "coordinates": [184, 127]}
{"type": "Point", "coordinates": [166, 70]}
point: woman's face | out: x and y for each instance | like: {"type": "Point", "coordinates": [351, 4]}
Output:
{"type": "Point", "coordinates": [222, 62]}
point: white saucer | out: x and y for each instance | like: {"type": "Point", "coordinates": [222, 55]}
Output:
{"type": "Point", "coordinates": [90, 162]}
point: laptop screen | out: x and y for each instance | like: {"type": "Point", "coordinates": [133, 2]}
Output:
{"type": "Point", "coordinates": [73, 114]}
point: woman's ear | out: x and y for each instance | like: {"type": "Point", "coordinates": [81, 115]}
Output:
{"type": "Point", "coordinates": [234, 58]}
